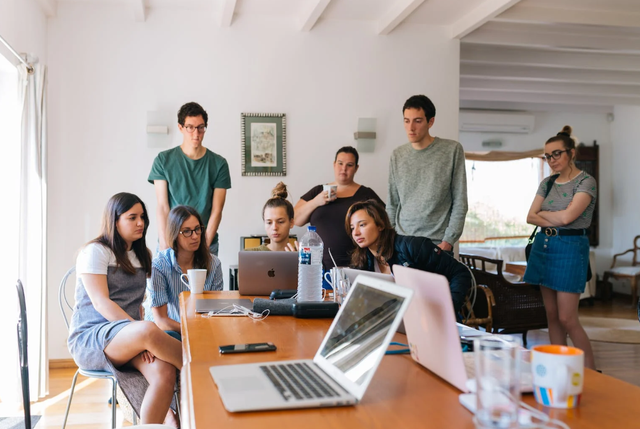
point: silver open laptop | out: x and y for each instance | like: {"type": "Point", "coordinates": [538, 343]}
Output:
{"type": "Point", "coordinates": [343, 366]}
{"type": "Point", "coordinates": [432, 331]}
{"type": "Point", "coordinates": [259, 273]}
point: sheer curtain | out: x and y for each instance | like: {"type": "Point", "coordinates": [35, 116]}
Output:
{"type": "Point", "coordinates": [33, 219]}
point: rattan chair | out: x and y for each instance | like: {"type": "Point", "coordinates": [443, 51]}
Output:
{"type": "Point", "coordinates": [511, 308]}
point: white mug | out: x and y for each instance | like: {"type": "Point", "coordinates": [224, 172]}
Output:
{"type": "Point", "coordinates": [195, 280]}
{"type": "Point", "coordinates": [339, 282]}
{"type": "Point", "coordinates": [332, 191]}
{"type": "Point", "coordinates": [558, 375]}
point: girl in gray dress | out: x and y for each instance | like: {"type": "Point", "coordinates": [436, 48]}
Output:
{"type": "Point", "coordinates": [106, 332]}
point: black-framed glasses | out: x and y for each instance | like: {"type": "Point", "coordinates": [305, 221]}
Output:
{"type": "Point", "coordinates": [555, 154]}
{"type": "Point", "coordinates": [190, 128]}
{"type": "Point", "coordinates": [187, 232]}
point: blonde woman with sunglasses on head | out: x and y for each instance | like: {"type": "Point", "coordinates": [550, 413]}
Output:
{"type": "Point", "coordinates": [559, 257]}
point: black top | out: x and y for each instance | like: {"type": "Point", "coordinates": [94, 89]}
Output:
{"type": "Point", "coordinates": [329, 223]}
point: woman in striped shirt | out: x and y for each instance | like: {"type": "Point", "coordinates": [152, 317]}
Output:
{"type": "Point", "coordinates": [188, 251]}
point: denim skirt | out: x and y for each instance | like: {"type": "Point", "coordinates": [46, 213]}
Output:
{"type": "Point", "coordinates": [559, 262]}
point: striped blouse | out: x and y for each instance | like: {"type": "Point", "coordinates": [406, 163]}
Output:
{"type": "Point", "coordinates": [165, 285]}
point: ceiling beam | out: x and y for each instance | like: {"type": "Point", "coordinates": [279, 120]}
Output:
{"type": "Point", "coordinates": [477, 17]}
{"type": "Point", "coordinates": [570, 88]}
{"type": "Point", "coordinates": [576, 38]}
{"type": "Point", "coordinates": [480, 54]}
{"type": "Point", "coordinates": [228, 8]}
{"type": "Point", "coordinates": [139, 11]}
{"type": "Point", "coordinates": [545, 74]}
{"type": "Point", "coordinates": [312, 15]}
{"type": "Point", "coordinates": [532, 97]}
{"type": "Point", "coordinates": [398, 13]}
{"type": "Point", "coordinates": [48, 7]}
{"type": "Point", "coordinates": [605, 17]}
{"type": "Point", "coordinates": [535, 107]}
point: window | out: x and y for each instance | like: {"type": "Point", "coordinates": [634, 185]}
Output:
{"type": "Point", "coordinates": [500, 194]}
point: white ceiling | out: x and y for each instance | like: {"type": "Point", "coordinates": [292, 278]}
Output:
{"type": "Point", "coordinates": [579, 55]}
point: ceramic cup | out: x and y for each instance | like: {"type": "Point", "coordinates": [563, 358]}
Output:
{"type": "Point", "coordinates": [339, 282]}
{"type": "Point", "coordinates": [558, 375]}
{"type": "Point", "coordinates": [195, 280]}
{"type": "Point", "coordinates": [332, 191]}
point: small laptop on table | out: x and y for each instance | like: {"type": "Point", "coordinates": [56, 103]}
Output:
{"type": "Point", "coordinates": [342, 368]}
{"type": "Point", "coordinates": [260, 273]}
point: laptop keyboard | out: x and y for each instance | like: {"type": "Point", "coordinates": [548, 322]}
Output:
{"type": "Point", "coordinates": [297, 381]}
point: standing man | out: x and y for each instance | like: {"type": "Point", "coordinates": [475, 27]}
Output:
{"type": "Point", "coordinates": [427, 180]}
{"type": "Point", "coordinates": [191, 175]}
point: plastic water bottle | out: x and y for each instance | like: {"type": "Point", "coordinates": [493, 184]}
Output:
{"type": "Point", "coordinates": [310, 250]}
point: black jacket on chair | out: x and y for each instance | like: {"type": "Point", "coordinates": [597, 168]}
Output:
{"type": "Point", "coordinates": [422, 254]}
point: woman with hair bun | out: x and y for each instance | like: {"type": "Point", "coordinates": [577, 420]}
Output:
{"type": "Point", "coordinates": [277, 215]}
{"type": "Point", "coordinates": [559, 257]}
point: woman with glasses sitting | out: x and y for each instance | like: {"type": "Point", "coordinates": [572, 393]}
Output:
{"type": "Point", "coordinates": [559, 257]}
{"type": "Point", "coordinates": [187, 251]}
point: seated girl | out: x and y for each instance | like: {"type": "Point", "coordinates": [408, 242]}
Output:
{"type": "Point", "coordinates": [277, 215]}
{"type": "Point", "coordinates": [379, 247]}
{"type": "Point", "coordinates": [106, 332]}
{"type": "Point", "coordinates": [185, 235]}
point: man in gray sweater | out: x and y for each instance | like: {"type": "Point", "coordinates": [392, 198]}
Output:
{"type": "Point", "coordinates": [427, 180]}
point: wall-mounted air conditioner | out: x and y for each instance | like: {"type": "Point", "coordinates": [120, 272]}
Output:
{"type": "Point", "coordinates": [483, 121]}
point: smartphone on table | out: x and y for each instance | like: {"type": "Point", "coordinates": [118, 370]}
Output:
{"type": "Point", "coordinates": [247, 348]}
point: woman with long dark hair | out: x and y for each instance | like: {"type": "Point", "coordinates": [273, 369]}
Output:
{"type": "Point", "coordinates": [379, 247]}
{"type": "Point", "coordinates": [277, 215]}
{"type": "Point", "coordinates": [559, 257]}
{"type": "Point", "coordinates": [106, 332]}
{"type": "Point", "coordinates": [188, 250]}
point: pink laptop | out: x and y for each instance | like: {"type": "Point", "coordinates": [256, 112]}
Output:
{"type": "Point", "coordinates": [432, 331]}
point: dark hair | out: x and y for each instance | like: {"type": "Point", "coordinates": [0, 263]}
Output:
{"type": "Point", "coordinates": [192, 109]}
{"type": "Point", "coordinates": [109, 236]}
{"type": "Point", "coordinates": [279, 199]}
{"type": "Point", "coordinates": [568, 142]}
{"type": "Point", "coordinates": [385, 240]}
{"type": "Point", "coordinates": [348, 149]}
{"type": "Point", "coordinates": [421, 102]}
{"type": "Point", "coordinates": [177, 216]}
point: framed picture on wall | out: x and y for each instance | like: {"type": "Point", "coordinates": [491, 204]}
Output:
{"type": "Point", "coordinates": [264, 144]}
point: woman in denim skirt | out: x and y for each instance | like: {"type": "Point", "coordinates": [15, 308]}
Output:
{"type": "Point", "coordinates": [559, 257]}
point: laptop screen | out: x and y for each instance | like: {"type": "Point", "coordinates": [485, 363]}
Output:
{"type": "Point", "coordinates": [357, 339]}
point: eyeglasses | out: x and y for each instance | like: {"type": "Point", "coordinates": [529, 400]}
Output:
{"type": "Point", "coordinates": [190, 128]}
{"type": "Point", "coordinates": [187, 232]}
{"type": "Point", "coordinates": [555, 154]}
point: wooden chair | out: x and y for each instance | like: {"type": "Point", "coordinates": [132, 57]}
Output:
{"type": "Point", "coordinates": [508, 308]}
{"type": "Point", "coordinates": [632, 273]}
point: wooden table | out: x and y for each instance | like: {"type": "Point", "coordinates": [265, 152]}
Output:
{"type": "Point", "coordinates": [402, 394]}
{"type": "Point", "coordinates": [516, 267]}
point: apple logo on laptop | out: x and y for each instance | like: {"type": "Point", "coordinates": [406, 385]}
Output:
{"type": "Point", "coordinates": [271, 273]}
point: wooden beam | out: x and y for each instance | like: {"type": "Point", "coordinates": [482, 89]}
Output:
{"type": "Point", "coordinates": [139, 11]}
{"type": "Point", "coordinates": [398, 13]}
{"type": "Point", "coordinates": [535, 107]}
{"type": "Point", "coordinates": [477, 17]}
{"type": "Point", "coordinates": [312, 15]}
{"type": "Point", "coordinates": [557, 58]}
{"type": "Point", "coordinates": [605, 17]}
{"type": "Point", "coordinates": [49, 7]}
{"type": "Point", "coordinates": [228, 7]}
{"type": "Point", "coordinates": [570, 88]}
{"type": "Point", "coordinates": [532, 97]}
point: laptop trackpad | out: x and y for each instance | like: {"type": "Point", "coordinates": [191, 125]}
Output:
{"type": "Point", "coordinates": [242, 384]}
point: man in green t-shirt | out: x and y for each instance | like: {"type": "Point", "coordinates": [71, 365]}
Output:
{"type": "Point", "coordinates": [191, 175]}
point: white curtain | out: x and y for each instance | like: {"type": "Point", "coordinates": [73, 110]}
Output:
{"type": "Point", "coordinates": [33, 220]}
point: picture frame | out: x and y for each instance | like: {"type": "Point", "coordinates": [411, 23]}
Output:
{"type": "Point", "coordinates": [264, 144]}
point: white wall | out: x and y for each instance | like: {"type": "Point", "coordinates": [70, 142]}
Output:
{"type": "Point", "coordinates": [107, 71]}
{"type": "Point", "coordinates": [24, 26]}
{"type": "Point", "coordinates": [587, 127]}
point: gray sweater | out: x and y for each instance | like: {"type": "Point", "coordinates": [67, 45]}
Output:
{"type": "Point", "coordinates": [428, 191]}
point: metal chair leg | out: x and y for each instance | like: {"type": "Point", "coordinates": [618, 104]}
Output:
{"type": "Point", "coordinates": [114, 384]}
{"type": "Point", "coordinates": [73, 386]}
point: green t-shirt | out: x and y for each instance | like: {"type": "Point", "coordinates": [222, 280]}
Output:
{"type": "Point", "coordinates": [191, 182]}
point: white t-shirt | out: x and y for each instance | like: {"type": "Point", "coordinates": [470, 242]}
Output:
{"type": "Point", "coordinates": [96, 258]}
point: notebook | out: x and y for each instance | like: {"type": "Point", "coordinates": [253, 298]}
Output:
{"type": "Point", "coordinates": [259, 273]}
{"type": "Point", "coordinates": [342, 368]}
{"type": "Point", "coordinates": [431, 326]}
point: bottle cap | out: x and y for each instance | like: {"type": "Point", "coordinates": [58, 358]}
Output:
{"type": "Point", "coordinates": [311, 228]}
